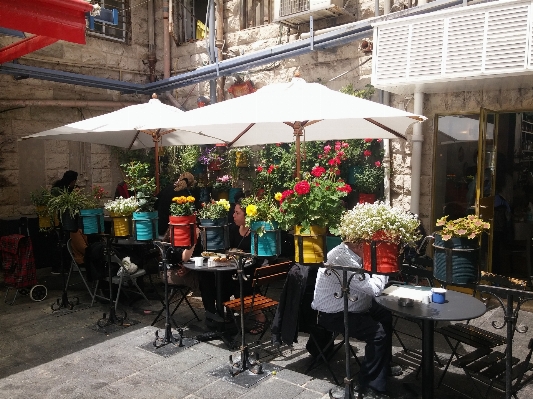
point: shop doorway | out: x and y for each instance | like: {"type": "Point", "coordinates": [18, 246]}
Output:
{"type": "Point", "coordinates": [484, 166]}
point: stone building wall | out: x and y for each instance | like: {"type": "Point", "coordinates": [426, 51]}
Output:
{"type": "Point", "coordinates": [25, 166]}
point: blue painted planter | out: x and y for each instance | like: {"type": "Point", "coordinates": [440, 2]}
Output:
{"type": "Point", "coordinates": [332, 242]}
{"type": "Point", "coordinates": [145, 225]}
{"type": "Point", "coordinates": [456, 261]}
{"type": "Point", "coordinates": [351, 173]}
{"type": "Point", "coordinates": [92, 220]}
{"type": "Point", "coordinates": [214, 233]}
{"type": "Point", "coordinates": [232, 193]}
{"type": "Point", "coordinates": [268, 244]}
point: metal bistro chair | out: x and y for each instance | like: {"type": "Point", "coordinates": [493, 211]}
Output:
{"type": "Point", "coordinates": [75, 267]}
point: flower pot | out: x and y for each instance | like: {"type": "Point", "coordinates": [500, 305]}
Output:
{"type": "Point", "coordinates": [221, 195]}
{"type": "Point", "coordinates": [214, 233]}
{"type": "Point", "coordinates": [241, 159]}
{"type": "Point", "coordinates": [310, 247]}
{"type": "Point", "coordinates": [45, 220]}
{"type": "Point", "coordinates": [68, 223]}
{"type": "Point", "coordinates": [232, 193]}
{"type": "Point", "coordinates": [92, 220]}
{"type": "Point", "coordinates": [381, 256]}
{"type": "Point", "coordinates": [214, 165]}
{"type": "Point", "coordinates": [456, 261]}
{"type": "Point", "coordinates": [367, 198]}
{"type": "Point", "coordinates": [352, 171]}
{"type": "Point", "coordinates": [332, 242]}
{"type": "Point", "coordinates": [182, 231]}
{"type": "Point", "coordinates": [121, 225]}
{"type": "Point", "coordinates": [145, 225]}
{"type": "Point", "coordinates": [267, 244]}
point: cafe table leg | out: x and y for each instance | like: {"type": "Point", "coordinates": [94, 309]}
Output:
{"type": "Point", "coordinates": [427, 359]}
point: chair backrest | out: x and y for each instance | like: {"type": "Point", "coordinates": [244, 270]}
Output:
{"type": "Point", "coordinates": [70, 250]}
{"type": "Point", "coordinates": [266, 274]}
{"type": "Point", "coordinates": [409, 273]}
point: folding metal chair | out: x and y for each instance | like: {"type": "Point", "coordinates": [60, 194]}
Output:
{"type": "Point", "coordinates": [75, 267]}
{"type": "Point", "coordinates": [177, 295]}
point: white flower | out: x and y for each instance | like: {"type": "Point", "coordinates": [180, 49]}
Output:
{"type": "Point", "coordinates": [122, 206]}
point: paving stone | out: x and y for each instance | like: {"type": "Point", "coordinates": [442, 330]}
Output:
{"type": "Point", "coordinates": [293, 377]}
{"type": "Point", "coordinates": [274, 388]}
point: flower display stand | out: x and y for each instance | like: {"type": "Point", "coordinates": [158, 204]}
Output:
{"type": "Point", "coordinates": [456, 261]}
{"type": "Point", "coordinates": [269, 242]}
{"type": "Point", "coordinates": [145, 225]}
{"type": "Point", "coordinates": [92, 220]}
{"type": "Point", "coordinates": [182, 230]}
{"type": "Point", "coordinates": [214, 233]}
{"type": "Point", "coordinates": [310, 247]}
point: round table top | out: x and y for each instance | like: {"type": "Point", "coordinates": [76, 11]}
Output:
{"type": "Point", "coordinates": [190, 265]}
{"type": "Point", "coordinates": [458, 306]}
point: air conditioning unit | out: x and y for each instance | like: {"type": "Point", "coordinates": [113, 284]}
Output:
{"type": "Point", "coordinates": [298, 11]}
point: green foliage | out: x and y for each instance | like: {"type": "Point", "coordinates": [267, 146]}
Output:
{"type": "Point", "coordinates": [214, 209]}
{"type": "Point", "coordinates": [275, 169]}
{"type": "Point", "coordinates": [369, 178]}
{"type": "Point", "coordinates": [40, 197]}
{"type": "Point", "coordinates": [260, 209]}
{"type": "Point", "coordinates": [188, 158]}
{"type": "Point", "coordinates": [63, 200]}
{"type": "Point", "coordinates": [365, 93]}
{"type": "Point", "coordinates": [139, 179]}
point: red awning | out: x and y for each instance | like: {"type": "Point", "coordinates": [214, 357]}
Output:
{"type": "Point", "coordinates": [53, 19]}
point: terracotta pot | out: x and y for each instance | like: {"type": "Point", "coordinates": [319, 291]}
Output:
{"type": "Point", "coordinates": [381, 256]}
{"type": "Point", "coordinates": [183, 230]}
{"type": "Point", "coordinates": [310, 247]}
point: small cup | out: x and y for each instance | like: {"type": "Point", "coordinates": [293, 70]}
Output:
{"type": "Point", "coordinates": [426, 299]}
{"type": "Point", "coordinates": [198, 261]}
{"type": "Point", "coordinates": [438, 295]}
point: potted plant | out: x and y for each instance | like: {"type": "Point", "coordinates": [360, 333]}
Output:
{"type": "Point", "coordinates": [262, 214]}
{"type": "Point", "coordinates": [188, 159]}
{"type": "Point", "coordinates": [367, 179]}
{"type": "Point", "coordinates": [222, 185]}
{"type": "Point", "coordinates": [121, 210]}
{"type": "Point", "coordinates": [213, 222]}
{"type": "Point", "coordinates": [211, 158]}
{"type": "Point", "coordinates": [68, 204]}
{"type": "Point", "coordinates": [39, 198]}
{"type": "Point", "coordinates": [139, 179]}
{"type": "Point", "coordinates": [313, 206]}
{"type": "Point", "coordinates": [383, 230]}
{"type": "Point", "coordinates": [182, 221]}
{"type": "Point", "coordinates": [456, 257]}
{"type": "Point", "coordinates": [92, 216]}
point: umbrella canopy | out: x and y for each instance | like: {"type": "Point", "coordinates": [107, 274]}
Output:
{"type": "Point", "coordinates": [279, 112]}
{"type": "Point", "coordinates": [137, 126]}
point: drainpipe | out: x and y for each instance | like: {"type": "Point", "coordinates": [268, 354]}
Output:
{"type": "Point", "coordinates": [220, 45]}
{"type": "Point", "coordinates": [416, 156]}
{"type": "Point", "coordinates": [166, 41]}
{"type": "Point", "coordinates": [152, 59]}
{"type": "Point", "coordinates": [212, 50]}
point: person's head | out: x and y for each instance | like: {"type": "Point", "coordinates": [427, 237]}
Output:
{"type": "Point", "coordinates": [69, 178]}
{"type": "Point", "coordinates": [185, 180]}
{"type": "Point", "coordinates": [239, 215]}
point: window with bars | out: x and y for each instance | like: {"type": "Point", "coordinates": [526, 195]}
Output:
{"type": "Point", "coordinates": [256, 13]}
{"type": "Point", "coordinates": [112, 23]}
{"type": "Point", "coordinates": [288, 7]}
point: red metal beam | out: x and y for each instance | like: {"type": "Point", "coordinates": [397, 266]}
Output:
{"type": "Point", "coordinates": [23, 47]}
{"type": "Point", "coordinates": [60, 19]}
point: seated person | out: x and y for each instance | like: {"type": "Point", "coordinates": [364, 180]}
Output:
{"type": "Point", "coordinates": [367, 320]}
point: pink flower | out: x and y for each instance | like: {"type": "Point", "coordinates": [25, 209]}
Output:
{"type": "Point", "coordinates": [345, 145]}
{"type": "Point", "coordinates": [367, 153]}
{"type": "Point", "coordinates": [327, 149]}
{"type": "Point", "coordinates": [302, 187]}
{"type": "Point", "coordinates": [318, 171]}
{"type": "Point", "coordinates": [377, 163]}
{"type": "Point", "coordinates": [337, 145]}
{"type": "Point", "coordinates": [259, 169]}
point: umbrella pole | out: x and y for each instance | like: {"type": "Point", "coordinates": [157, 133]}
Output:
{"type": "Point", "coordinates": [297, 132]}
{"type": "Point", "coordinates": [156, 138]}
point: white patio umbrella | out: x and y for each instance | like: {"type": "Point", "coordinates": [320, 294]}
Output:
{"type": "Point", "coordinates": [137, 126]}
{"type": "Point", "coordinates": [278, 112]}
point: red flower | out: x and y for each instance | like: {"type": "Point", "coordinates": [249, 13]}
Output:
{"type": "Point", "coordinates": [278, 144]}
{"type": "Point", "coordinates": [285, 194]}
{"type": "Point", "coordinates": [345, 145]}
{"type": "Point", "coordinates": [379, 140]}
{"type": "Point", "coordinates": [318, 171]}
{"type": "Point", "coordinates": [367, 153]}
{"type": "Point", "coordinates": [270, 169]}
{"type": "Point", "coordinates": [345, 189]}
{"type": "Point", "coordinates": [259, 169]}
{"type": "Point", "coordinates": [302, 187]}
{"type": "Point", "coordinates": [377, 163]}
{"type": "Point", "coordinates": [337, 172]}
{"type": "Point", "coordinates": [368, 140]}
{"type": "Point", "coordinates": [337, 145]}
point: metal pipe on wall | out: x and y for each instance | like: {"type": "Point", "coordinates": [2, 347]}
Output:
{"type": "Point", "coordinates": [166, 41]}
{"type": "Point", "coordinates": [221, 82]}
{"type": "Point", "coordinates": [212, 82]}
{"type": "Point", "coordinates": [416, 155]}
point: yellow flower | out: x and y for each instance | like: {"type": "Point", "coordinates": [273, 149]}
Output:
{"type": "Point", "coordinates": [175, 199]}
{"type": "Point", "coordinates": [278, 196]}
{"type": "Point", "coordinates": [225, 203]}
{"type": "Point", "coordinates": [251, 210]}
{"type": "Point", "coordinates": [190, 198]}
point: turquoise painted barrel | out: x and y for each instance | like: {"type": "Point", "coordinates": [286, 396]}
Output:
{"type": "Point", "coordinates": [92, 220]}
{"type": "Point", "coordinates": [456, 261]}
{"type": "Point", "coordinates": [332, 242]}
{"type": "Point", "coordinates": [232, 193]}
{"type": "Point", "coordinates": [214, 233]}
{"type": "Point", "coordinates": [145, 225]}
{"type": "Point", "coordinates": [266, 239]}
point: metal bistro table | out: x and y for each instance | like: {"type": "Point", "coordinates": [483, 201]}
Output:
{"type": "Point", "coordinates": [458, 306]}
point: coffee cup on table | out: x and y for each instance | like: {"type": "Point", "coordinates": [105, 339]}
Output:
{"type": "Point", "coordinates": [438, 295]}
{"type": "Point", "coordinates": [198, 261]}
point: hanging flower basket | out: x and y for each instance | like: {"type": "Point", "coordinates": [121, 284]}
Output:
{"type": "Point", "coordinates": [241, 159]}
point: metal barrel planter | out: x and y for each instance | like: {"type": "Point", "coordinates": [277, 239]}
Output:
{"type": "Point", "coordinates": [456, 261]}
{"type": "Point", "coordinates": [92, 220]}
{"type": "Point", "coordinates": [121, 225]}
{"type": "Point", "coordinates": [182, 231]}
{"type": "Point", "coordinates": [69, 223]}
{"type": "Point", "coordinates": [332, 242]}
{"type": "Point", "coordinates": [310, 248]}
{"type": "Point", "coordinates": [232, 193]}
{"type": "Point", "coordinates": [381, 257]}
{"type": "Point", "coordinates": [145, 225]}
{"type": "Point", "coordinates": [267, 243]}
{"type": "Point", "coordinates": [214, 233]}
